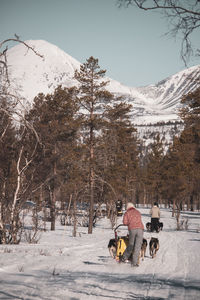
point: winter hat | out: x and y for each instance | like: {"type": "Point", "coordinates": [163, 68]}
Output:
{"type": "Point", "coordinates": [129, 205]}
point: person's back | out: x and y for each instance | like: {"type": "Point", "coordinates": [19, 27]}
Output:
{"type": "Point", "coordinates": [155, 216]}
{"type": "Point", "coordinates": [155, 212]}
{"type": "Point", "coordinates": [132, 219]}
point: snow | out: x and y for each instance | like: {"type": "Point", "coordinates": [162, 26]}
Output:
{"type": "Point", "coordinates": [31, 75]}
{"type": "Point", "coordinates": [64, 267]}
{"type": "Point", "coordinates": [148, 119]}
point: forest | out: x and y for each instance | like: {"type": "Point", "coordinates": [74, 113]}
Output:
{"type": "Point", "coordinates": [77, 149]}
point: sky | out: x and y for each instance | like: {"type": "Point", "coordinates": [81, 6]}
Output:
{"type": "Point", "coordinates": [130, 44]}
{"type": "Point", "coordinates": [62, 267]}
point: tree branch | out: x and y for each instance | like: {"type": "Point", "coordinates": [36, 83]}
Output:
{"type": "Point", "coordinates": [185, 16]}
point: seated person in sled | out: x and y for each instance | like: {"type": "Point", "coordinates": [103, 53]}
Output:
{"type": "Point", "coordinates": [119, 207]}
{"type": "Point", "coordinates": [155, 217]}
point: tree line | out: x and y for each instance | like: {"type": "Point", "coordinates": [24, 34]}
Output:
{"type": "Point", "coordinates": [77, 146]}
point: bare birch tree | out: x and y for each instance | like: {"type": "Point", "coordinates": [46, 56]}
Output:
{"type": "Point", "coordinates": [19, 160]}
{"type": "Point", "coordinates": [183, 16]}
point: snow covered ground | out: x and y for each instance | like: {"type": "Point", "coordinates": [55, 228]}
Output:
{"type": "Point", "coordinates": [62, 267]}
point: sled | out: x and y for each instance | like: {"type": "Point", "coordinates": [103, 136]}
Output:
{"type": "Point", "coordinates": [121, 242]}
{"type": "Point", "coordinates": [118, 245]}
{"type": "Point", "coordinates": [119, 213]}
{"type": "Point", "coordinates": [150, 229]}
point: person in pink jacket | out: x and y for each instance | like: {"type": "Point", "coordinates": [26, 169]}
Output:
{"type": "Point", "coordinates": [132, 218]}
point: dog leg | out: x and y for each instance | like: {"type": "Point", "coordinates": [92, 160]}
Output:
{"type": "Point", "coordinates": [156, 250]}
{"type": "Point", "coordinates": [142, 254]}
{"type": "Point", "coordinates": [145, 252]}
{"type": "Point", "coordinates": [112, 251]}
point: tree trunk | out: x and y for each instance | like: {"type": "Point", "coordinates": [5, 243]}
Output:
{"type": "Point", "coordinates": [53, 209]}
{"type": "Point", "coordinates": [91, 210]}
{"type": "Point", "coordinates": [173, 208]}
{"type": "Point", "coordinates": [191, 203]}
{"type": "Point", "coordinates": [74, 217]}
{"type": "Point", "coordinates": [14, 213]}
{"type": "Point", "coordinates": [178, 214]}
{"type": "Point", "coordinates": [144, 197]}
{"type": "Point", "coordinates": [53, 195]}
{"type": "Point", "coordinates": [68, 209]}
{"type": "Point", "coordinates": [2, 235]}
{"type": "Point", "coordinates": [42, 202]}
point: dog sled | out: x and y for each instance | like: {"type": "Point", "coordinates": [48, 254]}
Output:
{"type": "Point", "coordinates": [118, 245]}
{"type": "Point", "coordinates": [151, 228]}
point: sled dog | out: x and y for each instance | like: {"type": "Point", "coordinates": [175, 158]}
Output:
{"type": "Point", "coordinates": [148, 226]}
{"type": "Point", "coordinates": [112, 247]}
{"type": "Point", "coordinates": [143, 250]}
{"type": "Point", "coordinates": [160, 226]}
{"type": "Point", "coordinates": [153, 246]}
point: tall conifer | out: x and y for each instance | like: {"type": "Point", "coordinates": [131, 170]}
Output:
{"type": "Point", "coordinates": [92, 99]}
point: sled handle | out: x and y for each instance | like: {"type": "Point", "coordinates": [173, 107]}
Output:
{"type": "Point", "coordinates": [119, 226]}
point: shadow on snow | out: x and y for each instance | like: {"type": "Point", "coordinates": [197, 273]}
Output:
{"type": "Point", "coordinates": [101, 285]}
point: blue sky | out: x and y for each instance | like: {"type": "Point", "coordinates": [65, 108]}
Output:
{"type": "Point", "coordinates": [130, 44]}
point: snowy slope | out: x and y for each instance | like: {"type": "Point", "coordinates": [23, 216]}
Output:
{"type": "Point", "coordinates": [161, 102]}
{"type": "Point", "coordinates": [64, 267]}
{"type": "Point", "coordinates": [32, 74]}
{"type": "Point", "coordinates": [169, 91]}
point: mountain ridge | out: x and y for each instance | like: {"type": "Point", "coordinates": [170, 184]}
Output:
{"type": "Point", "coordinates": [151, 104]}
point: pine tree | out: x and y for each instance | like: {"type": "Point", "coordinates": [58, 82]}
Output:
{"type": "Point", "coordinates": [92, 99]}
{"type": "Point", "coordinates": [118, 156]}
{"type": "Point", "coordinates": [152, 170]}
{"type": "Point", "coordinates": [54, 118]}
{"type": "Point", "coordinates": [190, 138]}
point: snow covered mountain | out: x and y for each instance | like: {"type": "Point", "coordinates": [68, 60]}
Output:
{"type": "Point", "coordinates": [151, 104]}
{"type": "Point", "coordinates": [32, 74]}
